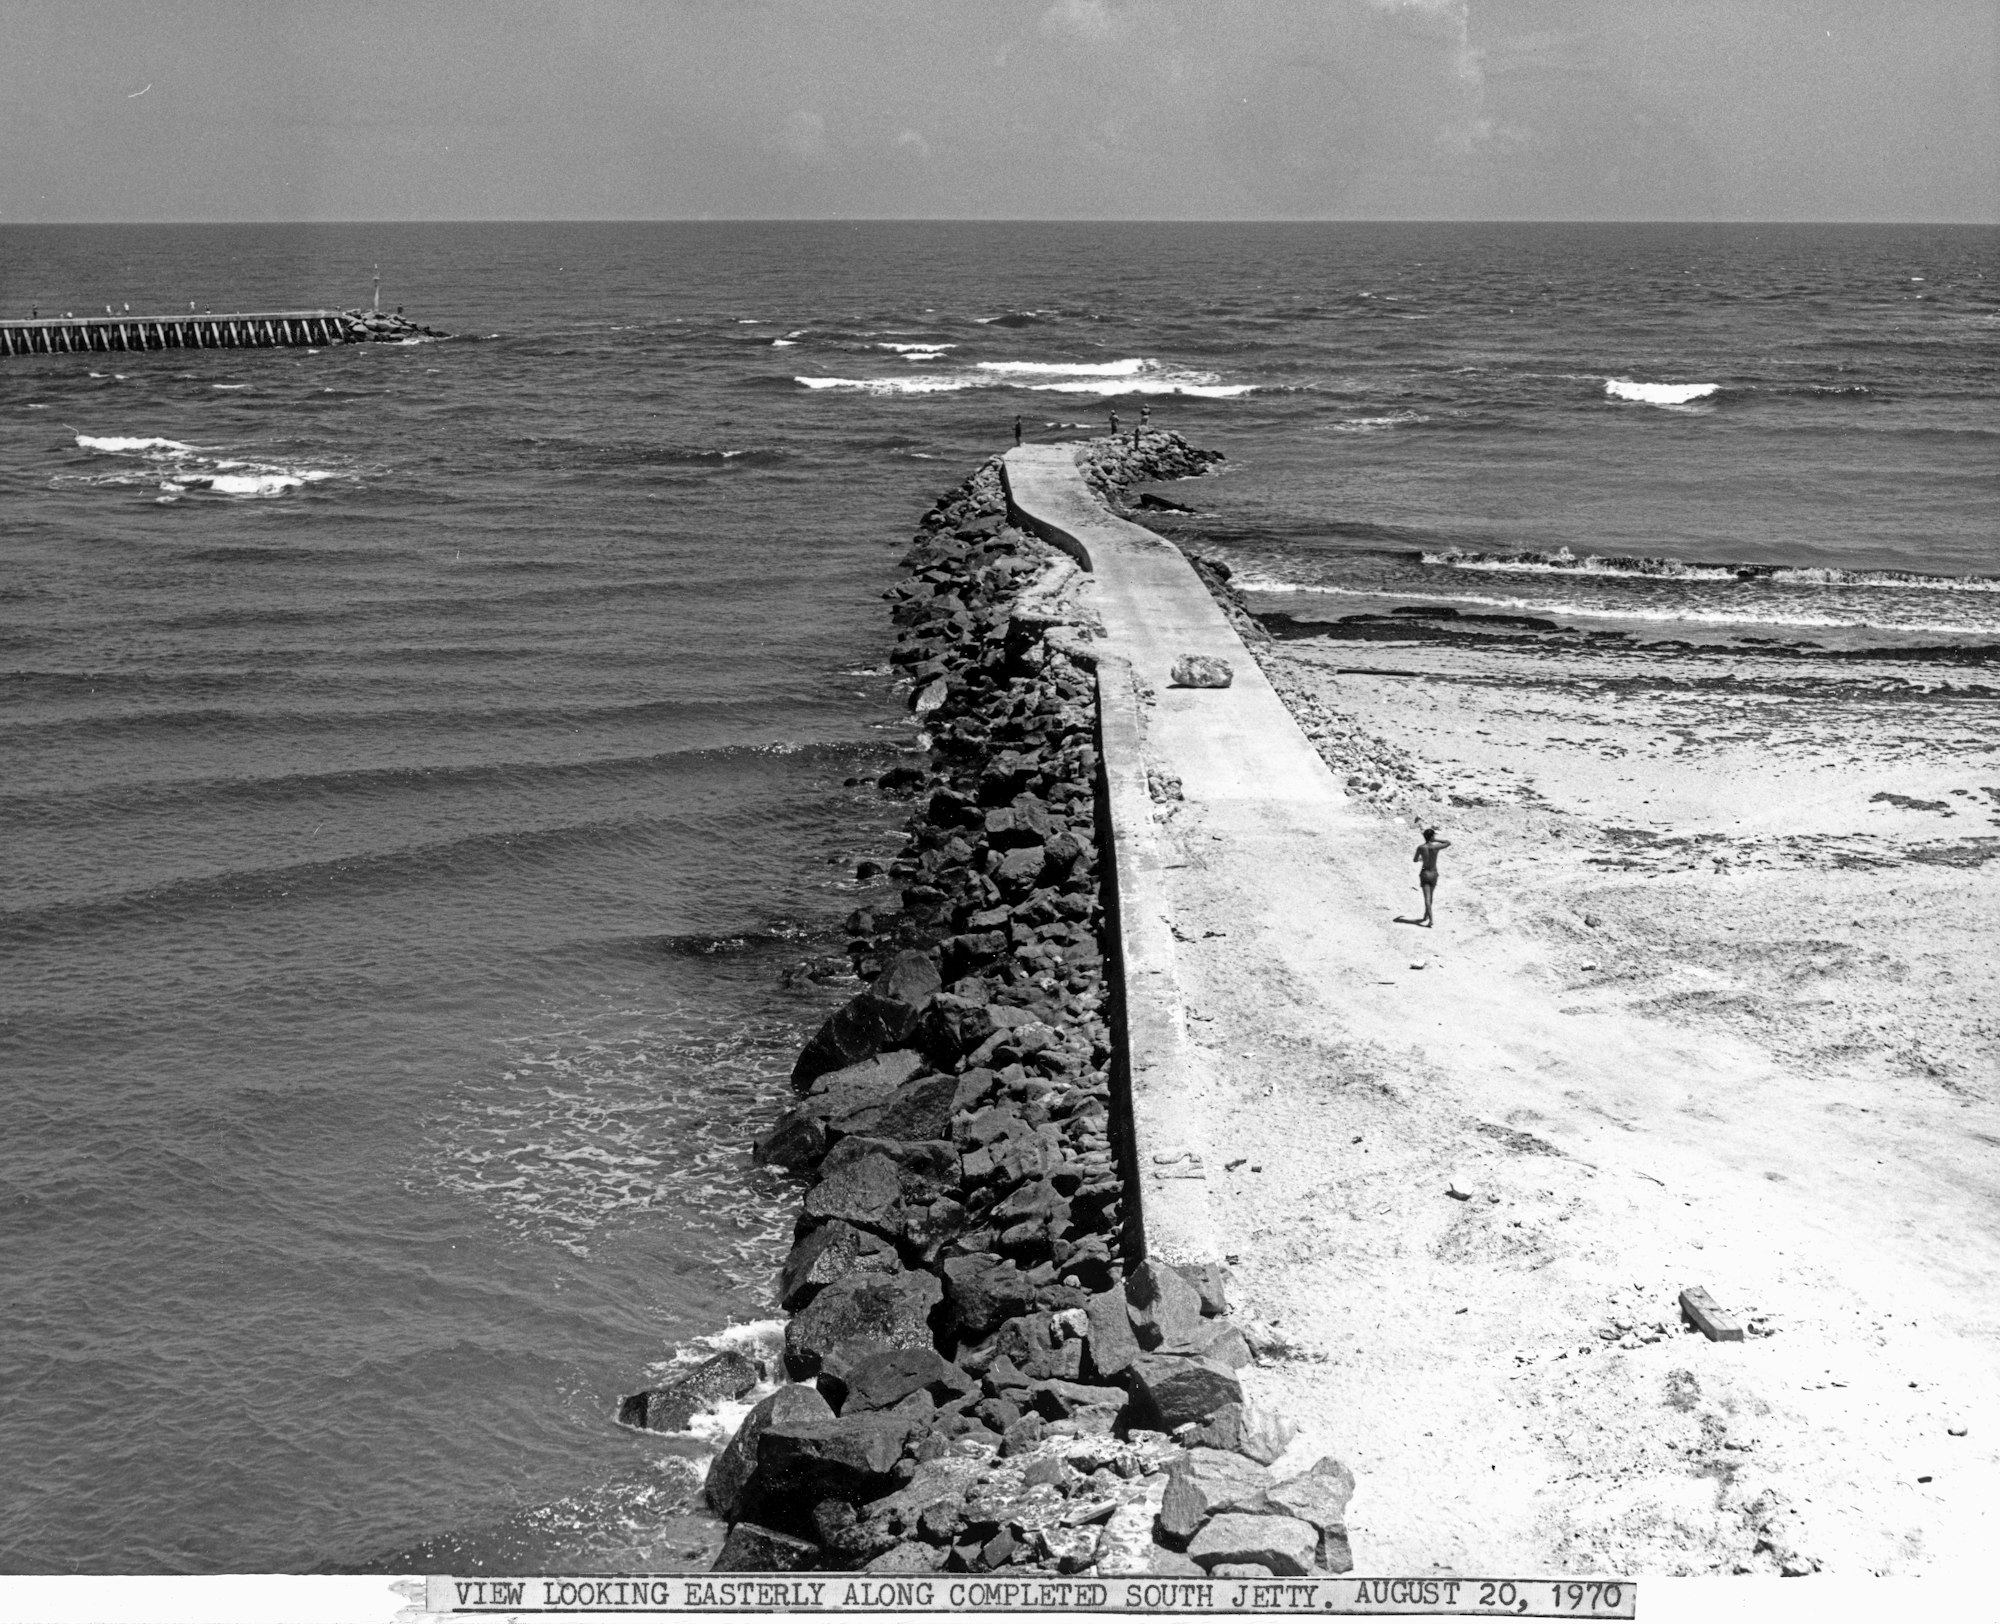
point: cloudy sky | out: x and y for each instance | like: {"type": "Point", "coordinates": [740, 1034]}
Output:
{"type": "Point", "coordinates": [1156, 109]}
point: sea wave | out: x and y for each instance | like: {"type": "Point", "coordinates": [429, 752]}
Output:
{"type": "Point", "coordinates": [1094, 369]}
{"type": "Point", "coordinates": [917, 349]}
{"type": "Point", "coordinates": [1658, 394]}
{"type": "Point", "coordinates": [1767, 613]}
{"type": "Point", "coordinates": [1371, 425]}
{"type": "Point", "coordinates": [1199, 384]}
{"type": "Point", "coordinates": [130, 442]}
{"type": "Point", "coordinates": [1564, 562]}
{"type": "Point", "coordinates": [179, 468]}
{"type": "Point", "coordinates": [1202, 384]}
{"type": "Point", "coordinates": [925, 384]}
{"type": "Point", "coordinates": [270, 484]}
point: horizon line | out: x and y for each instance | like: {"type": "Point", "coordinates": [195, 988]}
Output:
{"type": "Point", "coordinates": [1012, 220]}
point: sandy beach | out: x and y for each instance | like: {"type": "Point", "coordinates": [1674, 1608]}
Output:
{"type": "Point", "coordinates": [1709, 1001]}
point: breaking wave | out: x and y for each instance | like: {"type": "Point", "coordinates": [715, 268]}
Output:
{"type": "Point", "coordinates": [1689, 613]}
{"type": "Point", "coordinates": [1132, 376]}
{"type": "Point", "coordinates": [1564, 562]}
{"type": "Point", "coordinates": [178, 468]}
{"type": "Point", "coordinates": [1658, 394]}
{"type": "Point", "coordinates": [130, 442]}
{"type": "Point", "coordinates": [1092, 369]}
{"type": "Point", "coordinates": [1372, 425]}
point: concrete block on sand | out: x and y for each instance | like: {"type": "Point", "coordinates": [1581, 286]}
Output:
{"type": "Point", "coordinates": [1707, 1316]}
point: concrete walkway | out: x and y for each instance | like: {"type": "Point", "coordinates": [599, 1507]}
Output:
{"type": "Point", "coordinates": [1235, 753]}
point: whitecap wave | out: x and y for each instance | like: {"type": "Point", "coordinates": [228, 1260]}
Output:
{"type": "Point", "coordinates": [1686, 614]}
{"type": "Point", "coordinates": [180, 468]}
{"type": "Point", "coordinates": [1372, 425]}
{"type": "Point", "coordinates": [1658, 394]}
{"type": "Point", "coordinates": [1092, 369]}
{"type": "Point", "coordinates": [783, 343]}
{"type": "Point", "coordinates": [1134, 376]}
{"type": "Point", "coordinates": [917, 349]}
{"type": "Point", "coordinates": [265, 484]}
{"type": "Point", "coordinates": [131, 442]}
{"type": "Point", "coordinates": [1564, 562]}
{"type": "Point", "coordinates": [1638, 567]}
{"type": "Point", "coordinates": [1201, 384]}
{"type": "Point", "coordinates": [925, 384]}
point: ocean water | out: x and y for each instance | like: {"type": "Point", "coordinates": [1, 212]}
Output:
{"type": "Point", "coordinates": [420, 765]}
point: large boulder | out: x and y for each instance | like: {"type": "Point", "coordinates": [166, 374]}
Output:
{"type": "Point", "coordinates": [670, 1406]}
{"type": "Point", "coordinates": [926, 1169]}
{"type": "Point", "coordinates": [1166, 1309]}
{"type": "Point", "coordinates": [1113, 1344]}
{"type": "Point", "coordinates": [983, 1291]}
{"type": "Point", "coordinates": [850, 1458]}
{"type": "Point", "coordinates": [1172, 1391]}
{"type": "Point", "coordinates": [731, 1472]}
{"type": "Point", "coordinates": [1283, 1544]}
{"type": "Point", "coordinates": [1251, 1429]}
{"type": "Point", "coordinates": [885, 1378]}
{"type": "Point", "coordinates": [889, 1310]}
{"type": "Point", "coordinates": [953, 1026]}
{"type": "Point", "coordinates": [864, 1083]}
{"type": "Point", "coordinates": [872, 1021]}
{"type": "Point", "coordinates": [796, 1139]}
{"type": "Point", "coordinates": [827, 1253]}
{"type": "Point", "coordinates": [800, 1137]}
{"type": "Point", "coordinates": [753, 1548]}
{"type": "Point", "coordinates": [866, 1192]}
{"type": "Point", "coordinates": [1319, 1496]}
{"type": "Point", "coordinates": [1205, 1482]}
{"type": "Point", "coordinates": [918, 1110]}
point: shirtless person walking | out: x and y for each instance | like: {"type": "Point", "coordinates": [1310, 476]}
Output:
{"type": "Point", "coordinates": [1427, 876]}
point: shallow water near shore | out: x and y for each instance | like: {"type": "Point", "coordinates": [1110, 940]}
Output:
{"type": "Point", "coordinates": [419, 764]}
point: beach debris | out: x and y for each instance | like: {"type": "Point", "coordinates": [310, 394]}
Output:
{"type": "Point", "coordinates": [1459, 1187]}
{"type": "Point", "coordinates": [1706, 1315]}
{"type": "Point", "coordinates": [1202, 671]}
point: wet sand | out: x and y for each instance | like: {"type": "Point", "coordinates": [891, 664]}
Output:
{"type": "Point", "coordinates": [1710, 1000]}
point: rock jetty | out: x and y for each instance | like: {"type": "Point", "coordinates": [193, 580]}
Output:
{"type": "Point", "coordinates": [978, 1375]}
{"type": "Point", "coordinates": [380, 327]}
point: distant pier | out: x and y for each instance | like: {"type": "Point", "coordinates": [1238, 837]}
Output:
{"type": "Point", "coordinates": [254, 330]}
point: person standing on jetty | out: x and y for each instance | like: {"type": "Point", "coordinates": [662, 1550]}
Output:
{"type": "Point", "coordinates": [1427, 876]}
{"type": "Point", "coordinates": [1017, 428]}
{"type": "Point", "coordinates": [1114, 422]}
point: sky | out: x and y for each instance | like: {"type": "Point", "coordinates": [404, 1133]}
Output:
{"type": "Point", "coordinates": [153, 110]}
